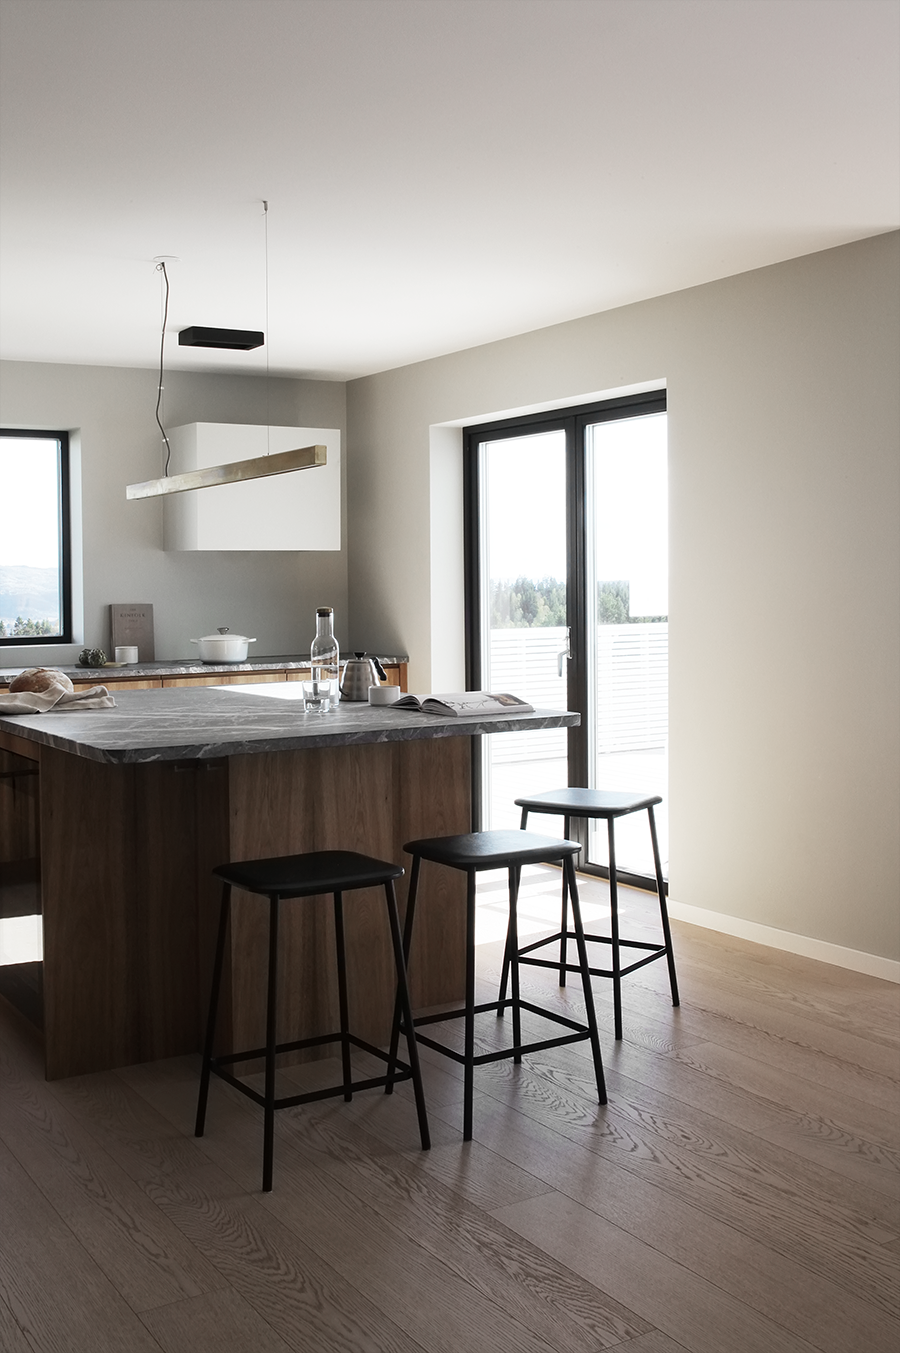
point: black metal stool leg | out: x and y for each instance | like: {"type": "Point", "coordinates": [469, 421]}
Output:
{"type": "Point", "coordinates": [342, 994]}
{"type": "Point", "coordinates": [614, 930]}
{"type": "Point", "coordinates": [504, 972]}
{"type": "Point", "coordinates": [407, 944]}
{"type": "Point", "coordinates": [590, 1012]}
{"type": "Point", "coordinates": [564, 918]}
{"type": "Point", "coordinates": [469, 1069]}
{"type": "Point", "coordinates": [663, 908]}
{"type": "Point", "coordinates": [406, 1012]}
{"type": "Point", "coordinates": [510, 949]}
{"type": "Point", "coordinates": [513, 951]}
{"type": "Point", "coordinates": [271, 1040]}
{"type": "Point", "coordinates": [218, 964]}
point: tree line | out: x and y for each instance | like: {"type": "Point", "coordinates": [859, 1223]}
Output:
{"type": "Point", "coordinates": [27, 628]}
{"type": "Point", "coordinates": [526, 604]}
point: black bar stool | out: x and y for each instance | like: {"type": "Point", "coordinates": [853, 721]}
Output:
{"type": "Point", "coordinates": [495, 850]}
{"type": "Point", "coordinates": [608, 804]}
{"type": "Point", "coordinates": [281, 879]}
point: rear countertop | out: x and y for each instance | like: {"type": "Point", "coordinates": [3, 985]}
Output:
{"type": "Point", "coordinates": [176, 667]}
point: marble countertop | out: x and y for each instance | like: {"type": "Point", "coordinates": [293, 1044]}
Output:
{"type": "Point", "coordinates": [188, 724]}
{"type": "Point", "coordinates": [176, 667]}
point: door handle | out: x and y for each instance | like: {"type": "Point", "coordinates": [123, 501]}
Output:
{"type": "Point", "coordinates": [564, 653]}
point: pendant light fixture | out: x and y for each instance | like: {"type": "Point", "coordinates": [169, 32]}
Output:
{"type": "Point", "coordinates": [232, 472]}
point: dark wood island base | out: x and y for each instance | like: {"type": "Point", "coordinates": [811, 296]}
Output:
{"type": "Point", "coordinates": [130, 907]}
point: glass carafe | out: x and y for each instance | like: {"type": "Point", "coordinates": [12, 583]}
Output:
{"type": "Point", "coordinates": [325, 658]}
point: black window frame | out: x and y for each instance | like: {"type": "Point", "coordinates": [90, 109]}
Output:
{"type": "Point", "coordinates": [65, 540]}
{"type": "Point", "coordinates": [573, 421]}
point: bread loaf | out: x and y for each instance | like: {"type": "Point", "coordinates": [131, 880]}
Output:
{"type": "Point", "coordinates": [40, 679]}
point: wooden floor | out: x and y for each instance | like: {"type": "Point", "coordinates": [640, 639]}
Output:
{"type": "Point", "coordinates": [739, 1194]}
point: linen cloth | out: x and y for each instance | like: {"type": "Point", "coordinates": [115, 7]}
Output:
{"type": "Point", "coordinates": [57, 698]}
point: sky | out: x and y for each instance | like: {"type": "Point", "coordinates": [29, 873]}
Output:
{"type": "Point", "coordinates": [29, 526]}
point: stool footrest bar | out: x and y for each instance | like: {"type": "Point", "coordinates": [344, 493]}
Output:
{"type": "Point", "coordinates": [400, 1071]}
{"type": "Point", "coordinates": [579, 1034]}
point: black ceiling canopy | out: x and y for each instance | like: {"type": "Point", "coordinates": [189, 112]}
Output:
{"type": "Point", "coordinates": [239, 340]}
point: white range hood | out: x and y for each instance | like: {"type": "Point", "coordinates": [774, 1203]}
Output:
{"type": "Point", "coordinates": [297, 511]}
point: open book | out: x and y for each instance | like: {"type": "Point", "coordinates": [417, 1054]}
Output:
{"type": "Point", "coordinates": [469, 704]}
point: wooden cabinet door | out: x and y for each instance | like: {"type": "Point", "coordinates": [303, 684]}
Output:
{"type": "Point", "coordinates": [223, 679]}
{"type": "Point", "coordinates": [122, 684]}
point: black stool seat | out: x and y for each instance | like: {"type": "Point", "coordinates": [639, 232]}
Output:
{"type": "Point", "coordinates": [282, 879]}
{"type": "Point", "coordinates": [588, 802]}
{"type": "Point", "coordinates": [472, 852]}
{"type": "Point", "coordinates": [492, 850]}
{"type": "Point", "coordinates": [609, 804]}
{"type": "Point", "coordinates": [321, 871]}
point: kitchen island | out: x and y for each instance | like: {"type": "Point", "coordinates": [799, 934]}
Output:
{"type": "Point", "coordinates": [138, 803]}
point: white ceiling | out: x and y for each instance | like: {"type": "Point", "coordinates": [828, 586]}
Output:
{"type": "Point", "coordinates": [440, 173]}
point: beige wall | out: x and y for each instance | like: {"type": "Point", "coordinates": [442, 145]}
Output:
{"type": "Point", "coordinates": [271, 596]}
{"type": "Point", "coordinates": [784, 474]}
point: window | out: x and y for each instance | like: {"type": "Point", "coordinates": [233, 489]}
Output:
{"type": "Point", "coordinates": [35, 555]}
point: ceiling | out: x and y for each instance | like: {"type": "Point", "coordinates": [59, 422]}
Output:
{"type": "Point", "coordinates": [440, 173]}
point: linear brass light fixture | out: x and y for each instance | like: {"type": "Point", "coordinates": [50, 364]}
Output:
{"type": "Point", "coordinates": [235, 472]}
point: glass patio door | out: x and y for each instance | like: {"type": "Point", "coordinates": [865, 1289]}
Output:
{"type": "Point", "coordinates": [627, 639]}
{"type": "Point", "coordinates": [567, 602]}
{"type": "Point", "coordinates": [522, 608]}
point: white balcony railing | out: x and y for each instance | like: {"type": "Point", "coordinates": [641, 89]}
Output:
{"type": "Point", "coordinates": [632, 686]}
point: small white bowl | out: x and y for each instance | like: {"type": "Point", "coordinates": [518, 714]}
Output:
{"type": "Point", "coordinates": [384, 695]}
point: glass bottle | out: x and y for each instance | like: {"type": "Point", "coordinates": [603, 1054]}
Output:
{"type": "Point", "coordinates": [325, 658]}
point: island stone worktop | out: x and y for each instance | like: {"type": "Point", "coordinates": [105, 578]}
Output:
{"type": "Point", "coordinates": [181, 724]}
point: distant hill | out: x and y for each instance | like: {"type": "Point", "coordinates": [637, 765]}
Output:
{"type": "Point", "coordinates": [31, 593]}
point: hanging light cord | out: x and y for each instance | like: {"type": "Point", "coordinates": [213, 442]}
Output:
{"type": "Point", "coordinates": [161, 267]}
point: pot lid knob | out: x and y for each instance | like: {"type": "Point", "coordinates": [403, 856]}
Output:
{"type": "Point", "coordinates": [223, 629]}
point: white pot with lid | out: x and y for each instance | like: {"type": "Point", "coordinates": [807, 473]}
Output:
{"type": "Point", "coordinates": [223, 646]}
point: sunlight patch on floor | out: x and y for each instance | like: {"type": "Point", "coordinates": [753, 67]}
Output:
{"type": "Point", "coordinates": [540, 892]}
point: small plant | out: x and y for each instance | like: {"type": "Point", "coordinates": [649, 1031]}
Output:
{"type": "Point", "coordinates": [92, 657]}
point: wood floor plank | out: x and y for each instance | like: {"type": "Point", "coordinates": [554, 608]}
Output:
{"type": "Point", "coordinates": [654, 1342]}
{"type": "Point", "coordinates": [12, 1339]}
{"type": "Point", "coordinates": [667, 1294]}
{"type": "Point", "coordinates": [689, 1158]}
{"type": "Point", "coordinates": [221, 1322]}
{"type": "Point", "coordinates": [832, 997]}
{"type": "Point", "coordinates": [286, 1282]}
{"type": "Point", "coordinates": [58, 1296]}
{"type": "Point", "coordinates": [848, 1061]}
{"type": "Point", "coordinates": [465, 1309]}
{"type": "Point", "coordinates": [738, 1263]}
{"type": "Point", "coordinates": [517, 1277]}
{"type": "Point", "coordinates": [480, 1288]}
{"type": "Point", "coordinates": [845, 1135]}
{"type": "Point", "coordinates": [143, 1255]}
{"type": "Point", "coordinates": [480, 1176]}
{"type": "Point", "coordinates": [873, 1129]}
